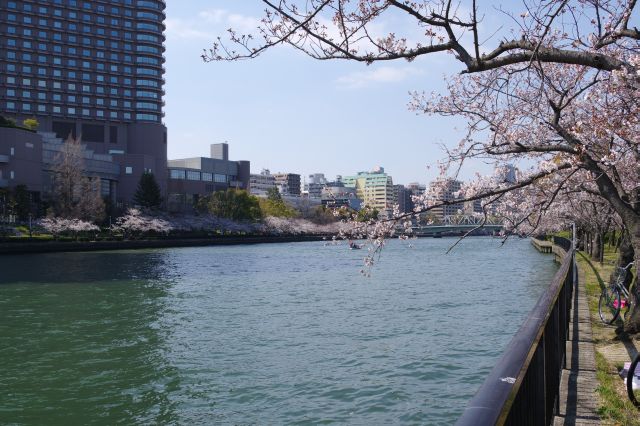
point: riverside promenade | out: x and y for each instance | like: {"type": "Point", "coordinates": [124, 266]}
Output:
{"type": "Point", "coordinates": [578, 402]}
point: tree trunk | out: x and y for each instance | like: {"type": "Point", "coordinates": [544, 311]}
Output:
{"type": "Point", "coordinates": [596, 250]}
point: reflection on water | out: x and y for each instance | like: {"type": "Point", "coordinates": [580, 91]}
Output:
{"type": "Point", "coordinates": [83, 339]}
{"type": "Point", "coordinates": [287, 333]}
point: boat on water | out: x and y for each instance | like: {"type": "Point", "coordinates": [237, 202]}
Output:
{"type": "Point", "coordinates": [354, 246]}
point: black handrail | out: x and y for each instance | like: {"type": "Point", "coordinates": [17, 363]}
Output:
{"type": "Point", "coordinates": [523, 388]}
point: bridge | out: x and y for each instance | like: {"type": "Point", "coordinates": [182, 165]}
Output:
{"type": "Point", "coordinates": [458, 224]}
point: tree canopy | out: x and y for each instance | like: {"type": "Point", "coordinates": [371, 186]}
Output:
{"type": "Point", "coordinates": [75, 195]}
{"type": "Point", "coordinates": [148, 193]}
{"type": "Point", "coordinates": [232, 204]}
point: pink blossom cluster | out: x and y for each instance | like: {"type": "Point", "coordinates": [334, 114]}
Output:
{"type": "Point", "coordinates": [57, 226]}
{"type": "Point", "coordinates": [135, 222]}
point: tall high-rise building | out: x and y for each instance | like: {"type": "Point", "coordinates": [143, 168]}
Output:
{"type": "Point", "coordinates": [92, 69]}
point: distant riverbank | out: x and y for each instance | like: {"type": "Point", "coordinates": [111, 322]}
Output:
{"type": "Point", "coordinates": [27, 246]}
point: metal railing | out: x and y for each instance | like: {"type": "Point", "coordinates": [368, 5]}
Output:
{"type": "Point", "coordinates": [562, 242]}
{"type": "Point", "coordinates": [523, 388]}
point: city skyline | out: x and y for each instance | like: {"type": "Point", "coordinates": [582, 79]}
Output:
{"type": "Point", "coordinates": [327, 116]}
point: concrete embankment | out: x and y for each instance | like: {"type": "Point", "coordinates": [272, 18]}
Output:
{"type": "Point", "coordinates": [35, 246]}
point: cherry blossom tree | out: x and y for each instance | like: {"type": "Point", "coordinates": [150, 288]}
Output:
{"type": "Point", "coordinates": [136, 223]}
{"type": "Point", "coordinates": [59, 225]}
{"type": "Point", "coordinates": [75, 195]}
{"type": "Point", "coordinates": [297, 226]}
{"type": "Point", "coordinates": [558, 87]}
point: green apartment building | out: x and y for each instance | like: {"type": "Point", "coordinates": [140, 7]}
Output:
{"type": "Point", "coordinates": [374, 188]}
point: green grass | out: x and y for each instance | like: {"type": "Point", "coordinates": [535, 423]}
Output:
{"type": "Point", "coordinates": [620, 410]}
{"type": "Point", "coordinates": [615, 406]}
{"type": "Point", "coordinates": [564, 234]}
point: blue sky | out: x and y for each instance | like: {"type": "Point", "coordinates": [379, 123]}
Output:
{"type": "Point", "coordinates": [289, 113]}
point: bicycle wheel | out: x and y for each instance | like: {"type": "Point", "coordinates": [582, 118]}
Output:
{"type": "Point", "coordinates": [633, 382]}
{"type": "Point", "coordinates": [609, 305]}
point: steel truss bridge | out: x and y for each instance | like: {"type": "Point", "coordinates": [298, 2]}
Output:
{"type": "Point", "coordinates": [459, 224]}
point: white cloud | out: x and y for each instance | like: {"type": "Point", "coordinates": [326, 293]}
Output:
{"type": "Point", "coordinates": [209, 24]}
{"type": "Point", "coordinates": [214, 16]}
{"type": "Point", "coordinates": [380, 75]}
{"type": "Point", "coordinates": [180, 29]}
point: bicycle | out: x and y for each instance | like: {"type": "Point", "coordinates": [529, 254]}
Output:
{"type": "Point", "coordinates": [611, 302]}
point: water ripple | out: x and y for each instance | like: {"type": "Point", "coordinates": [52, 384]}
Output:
{"type": "Point", "coordinates": [265, 334]}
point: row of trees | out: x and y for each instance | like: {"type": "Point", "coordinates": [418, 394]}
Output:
{"type": "Point", "coordinates": [239, 205]}
{"type": "Point", "coordinates": [133, 223]}
{"type": "Point", "coordinates": [558, 86]}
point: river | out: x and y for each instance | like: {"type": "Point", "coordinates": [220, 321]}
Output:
{"type": "Point", "coordinates": [259, 334]}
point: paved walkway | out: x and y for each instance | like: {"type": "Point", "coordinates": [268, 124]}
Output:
{"type": "Point", "coordinates": [578, 398]}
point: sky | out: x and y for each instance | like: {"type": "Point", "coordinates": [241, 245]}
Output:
{"type": "Point", "coordinates": [289, 113]}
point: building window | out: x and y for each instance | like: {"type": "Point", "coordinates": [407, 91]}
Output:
{"type": "Point", "coordinates": [146, 117]}
{"type": "Point", "coordinates": [176, 174]}
{"type": "Point", "coordinates": [193, 175]}
{"type": "Point", "coordinates": [207, 177]}
{"type": "Point", "coordinates": [220, 178]}
{"type": "Point", "coordinates": [146, 105]}
{"type": "Point", "coordinates": [128, 170]}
